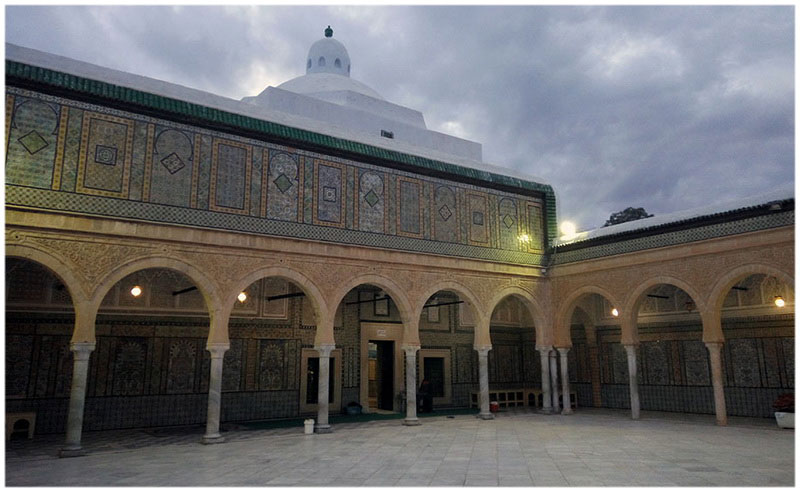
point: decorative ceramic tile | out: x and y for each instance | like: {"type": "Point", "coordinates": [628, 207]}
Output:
{"type": "Point", "coordinates": [477, 206]}
{"type": "Point", "coordinates": [32, 143]}
{"type": "Point", "coordinates": [105, 156]}
{"type": "Point", "coordinates": [231, 171]}
{"type": "Point", "coordinates": [409, 209]}
{"type": "Point", "coordinates": [329, 208]}
{"type": "Point", "coordinates": [370, 206]}
{"type": "Point", "coordinates": [283, 186]}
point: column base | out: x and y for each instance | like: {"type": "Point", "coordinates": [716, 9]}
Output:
{"type": "Point", "coordinates": [486, 416]}
{"type": "Point", "coordinates": [71, 452]}
{"type": "Point", "coordinates": [213, 439]}
{"type": "Point", "coordinates": [567, 411]}
{"type": "Point", "coordinates": [322, 428]}
{"type": "Point", "coordinates": [722, 422]}
{"type": "Point", "coordinates": [546, 411]}
{"type": "Point", "coordinates": [412, 421]}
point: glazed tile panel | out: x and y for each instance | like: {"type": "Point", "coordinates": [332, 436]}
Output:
{"type": "Point", "coordinates": [73, 156]}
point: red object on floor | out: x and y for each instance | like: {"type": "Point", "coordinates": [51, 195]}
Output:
{"type": "Point", "coordinates": [494, 407]}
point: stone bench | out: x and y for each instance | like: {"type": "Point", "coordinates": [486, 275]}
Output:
{"type": "Point", "coordinates": [14, 418]}
{"type": "Point", "coordinates": [509, 398]}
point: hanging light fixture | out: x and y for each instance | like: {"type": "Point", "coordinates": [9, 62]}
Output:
{"type": "Point", "coordinates": [779, 301]}
{"type": "Point", "coordinates": [136, 291]}
{"type": "Point", "coordinates": [242, 296]}
{"type": "Point", "coordinates": [690, 305]}
{"type": "Point", "coordinates": [614, 312]}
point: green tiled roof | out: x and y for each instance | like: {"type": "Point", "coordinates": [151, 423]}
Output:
{"type": "Point", "coordinates": [23, 73]}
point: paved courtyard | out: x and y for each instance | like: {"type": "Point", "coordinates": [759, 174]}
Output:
{"type": "Point", "coordinates": [589, 448]}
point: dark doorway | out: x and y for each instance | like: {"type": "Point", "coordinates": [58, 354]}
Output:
{"type": "Point", "coordinates": [381, 374]}
{"type": "Point", "coordinates": [312, 381]}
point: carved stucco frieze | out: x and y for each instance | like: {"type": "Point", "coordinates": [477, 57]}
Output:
{"type": "Point", "coordinates": [91, 261]}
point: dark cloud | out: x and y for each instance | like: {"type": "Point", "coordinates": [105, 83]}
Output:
{"type": "Point", "coordinates": [661, 107]}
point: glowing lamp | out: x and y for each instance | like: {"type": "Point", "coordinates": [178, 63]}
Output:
{"type": "Point", "coordinates": [615, 312]}
{"type": "Point", "coordinates": [568, 229]}
{"type": "Point", "coordinates": [779, 301]}
{"type": "Point", "coordinates": [242, 296]}
{"type": "Point", "coordinates": [136, 291]}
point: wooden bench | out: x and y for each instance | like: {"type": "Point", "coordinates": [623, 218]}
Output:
{"type": "Point", "coordinates": [510, 398]}
{"type": "Point", "coordinates": [14, 418]}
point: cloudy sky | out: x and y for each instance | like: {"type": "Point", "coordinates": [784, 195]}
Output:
{"type": "Point", "coordinates": [665, 108]}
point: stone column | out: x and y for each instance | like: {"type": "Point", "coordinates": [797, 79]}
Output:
{"type": "Point", "coordinates": [565, 382]}
{"type": "Point", "coordinates": [483, 378]}
{"type": "Point", "coordinates": [594, 364]}
{"type": "Point", "coordinates": [716, 381]}
{"type": "Point", "coordinates": [212, 435]}
{"type": "Point", "coordinates": [322, 426]}
{"type": "Point", "coordinates": [544, 359]}
{"type": "Point", "coordinates": [633, 379]}
{"type": "Point", "coordinates": [411, 385]}
{"type": "Point", "coordinates": [77, 398]}
{"type": "Point", "coordinates": [554, 380]}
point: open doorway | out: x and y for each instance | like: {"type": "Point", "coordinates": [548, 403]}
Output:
{"type": "Point", "coordinates": [381, 374]}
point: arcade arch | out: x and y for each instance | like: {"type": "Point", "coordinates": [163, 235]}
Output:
{"type": "Point", "coordinates": [590, 318]}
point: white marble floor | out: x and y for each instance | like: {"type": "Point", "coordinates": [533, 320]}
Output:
{"type": "Point", "coordinates": [589, 448]}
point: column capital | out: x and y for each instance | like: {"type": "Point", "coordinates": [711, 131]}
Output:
{"type": "Point", "coordinates": [217, 350]}
{"type": "Point", "coordinates": [630, 344]}
{"type": "Point", "coordinates": [82, 350]}
{"type": "Point", "coordinates": [545, 349]}
{"type": "Point", "coordinates": [563, 350]}
{"type": "Point", "coordinates": [483, 349]}
{"type": "Point", "coordinates": [325, 349]}
{"type": "Point", "coordinates": [714, 345]}
{"type": "Point", "coordinates": [410, 350]}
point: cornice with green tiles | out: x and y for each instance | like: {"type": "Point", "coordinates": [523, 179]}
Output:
{"type": "Point", "coordinates": [23, 74]}
{"type": "Point", "coordinates": [690, 234]}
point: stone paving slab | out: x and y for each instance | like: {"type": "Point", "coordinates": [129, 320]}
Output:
{"type": "Point", "coordinates": [589, 448]}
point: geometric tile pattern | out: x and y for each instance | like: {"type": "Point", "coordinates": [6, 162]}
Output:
{"type": "Point", "coordinates": [104, 154]}
{"type": "Point", "coordinates": [173, 163]}
{"type": "Point", "coordinates": [445, 212]}
{"type": "Point", "coordinates": [370, 204]}
{"type": "Point", "coordinates": [283, 183]}
{"type": "Point", "coordinates": [371, 198]}
{"type": "Point", "coordinates": [31, 127]}
{"type": "Point", "coordinates": [175, 173]}
{"type": "Point", "coordinates": [33, 142]}
{"type": "Point", "coordinates": [105, 142]}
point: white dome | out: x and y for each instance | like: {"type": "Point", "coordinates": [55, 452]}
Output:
{"type": "Point", "coordinates": [327, 72]}
{"type": "Point", "coordinates": [328, 56]}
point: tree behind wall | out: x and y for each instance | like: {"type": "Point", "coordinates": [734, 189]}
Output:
{"type": "Point", "coordinates": [627, 215]}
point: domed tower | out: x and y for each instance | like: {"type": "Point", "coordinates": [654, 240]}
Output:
{"type": "Point", "coordinates": [333, 103]}
{"type": "Point", "coordinates": [328, 56]}
{"type": "Point", "coordinates": [327, 73]}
